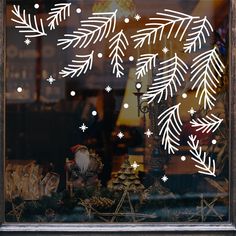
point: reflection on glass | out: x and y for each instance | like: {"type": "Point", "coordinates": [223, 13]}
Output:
{"type": "Point", "coordinates": [117, 111]}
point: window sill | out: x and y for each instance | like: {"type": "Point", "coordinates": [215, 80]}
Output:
{"type": "Point", "coordinates": [117, 227]}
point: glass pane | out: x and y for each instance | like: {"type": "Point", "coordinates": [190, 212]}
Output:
{"type": "Point", "coordinates": [117, 111]}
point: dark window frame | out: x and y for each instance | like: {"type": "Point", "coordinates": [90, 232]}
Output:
{"type": "Point", "coordinates": [131, 229]}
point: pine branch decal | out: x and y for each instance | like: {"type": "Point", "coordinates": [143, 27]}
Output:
{"type": "Point", "coordinates": [25, 24]}
{"type": "Point", "coordinates": [170, 76]}
{"type": "Point", "coordinates": [200, 157]}
{"type": "Point", "coordinates": [170, 123]}
{"type": "Point", "coordinates": [194, 40]}
{"type": "Point", "coordinates": [164, 20]}
{"type": "Point", "coordinates": [204, 70]}
{"type": "Point", "coordinates": [79, 66]}
{"type": "Point", "coordinates": [57, 14]}
{"type": "Point", "coordinates": [145, 62]}
{"type": "Point", "coordinates": [93, 30]}
{"type": "Point", "coordinates": [119, 43]}
{"type": "Point", "coordinates": [208, 124]}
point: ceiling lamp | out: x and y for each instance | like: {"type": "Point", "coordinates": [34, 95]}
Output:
{"type": "Point", "coordinates": [125, 7]}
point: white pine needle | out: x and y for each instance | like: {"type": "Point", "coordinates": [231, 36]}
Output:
{"type": "Point", "coordinates": [79, 66]}
{"type": "Point", "coordinates": [145, 62]}
{"type": "Point", "coordinates": [92, 30]}
{"type": "Point", "coordinates": [173, 20]}
{"type": "Point", "coordinates": [25, 25]}
{"type": "Point", "coordinates": [200, 158]}
{"type": "Point", "coordinates": [119, 44]}
{"type": "Point", "coordinates": [200, 31]}
{"type": "Point", "coordinates": [170, 76]}
{"type": "Point", "coordinates": [204, 72]}
{"type": "Point", "coordinates": [171, 127]}
{"type": "Point", "coordinates": [57, 14]}
{"type": "Point", "coordinates": [208, 124]}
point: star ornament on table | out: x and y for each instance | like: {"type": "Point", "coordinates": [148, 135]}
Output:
{"type": "Point", "coordinates": [149, 133]}
{"type": "Point", "coordinates": [27, 41]}
{"type": "Point", "coordinates": [135, 165]}
{"type": "Point", "coordinates": [17, 211]}
{"type": "Point", "coordinates": [164, 178]}
{"type": "Point", "coordinates": [51, 80]}
{"type": "Point", "coordinates": [192, 111]}
{"type": "Point", "coordinates": [120, 135]}
{"type": "Point", "coordinates": [83, 127]}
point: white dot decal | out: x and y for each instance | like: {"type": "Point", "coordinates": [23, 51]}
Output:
{"type": "Point", "coordinates": [126, 20]}
{"type": "Point", "coordinates": [214, 141]}
{"type": "Point", "coordinates": [94, 113]}
{"type": "Point", "coordinates": [72, 93]}
{"type": "Point", "coordinates": [126, 105]}
{"type": "Point", "coordinates": [36, 6]}
{"type": "Point", "coordinates": [138, 85]}
{"type": "Point", "coordinates": [131, 58]}
{"type": "Point", "coordinates": [19, 90]}
{"type": "Point", "coordinates": [78, 10]}
{"type": "Point", "coordinates": [100, 55]}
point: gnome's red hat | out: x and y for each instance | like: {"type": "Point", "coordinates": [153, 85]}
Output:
{"type": "Point", "coordinates": [77, 147]}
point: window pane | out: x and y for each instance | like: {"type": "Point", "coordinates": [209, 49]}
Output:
{"type": "Point", "coordinates": [117, 111]}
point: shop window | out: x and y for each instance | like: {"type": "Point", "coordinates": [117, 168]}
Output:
{"type": "Point", "coordinates": [117, 111]}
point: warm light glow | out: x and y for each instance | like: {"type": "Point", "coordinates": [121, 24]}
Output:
{"type": "Point", "coordinates": [129, 116]}
{"type": "Point", "coordinates": [125, 7]}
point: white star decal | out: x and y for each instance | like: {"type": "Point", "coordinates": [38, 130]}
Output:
{"type": "Point", "coordinates": [191, 111]}
{"type": "Point", "coordinates": [27, 41]}
{"type": "Point", "coordinates": [51, 80]}
{"type": "Point", "coordinates": [164, 178]}
{"type": "Point", "coordinates": [135, 165]}
{"type": "Point", "coordinates": [149, 133]}
{"type": "Point", "coordinates": [83, 127]}
{"type": "Point", "coordinates": [137, 17]}
{"type": "Point", "coordinates": [108, 89]}
{"type": "Point", "coordinates": [165, 50]}
{"type": "Point", "coordinates": [120, 135]}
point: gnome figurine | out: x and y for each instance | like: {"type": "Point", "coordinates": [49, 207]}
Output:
{"type": "Point", "coordinates": [82, 157]}
{"type": "Point", "coordinates": [84, 169]}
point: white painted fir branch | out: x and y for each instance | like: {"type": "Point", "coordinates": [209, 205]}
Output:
{"type": "Point", "coordinates": [170, 76]}
{"type": "Point", "coordinates": [25, 24]}
{"type": "Point", "coordinates": [145, 63]}
{"type": "Point", "coordinates": [160, 23]}
{"type": "Point", "coordinates": [78, 67]}
{"type": "Point", "coordinates": [92, 30]}
{"type": "Point", "coordinates": [171, 127]}
{"type": "Point", "coordinates": [200, 157]}
{"type": "Point", "coordinates": [198, 35]}
{"type": "Point", "coordinates": [208, 124]}
{"type": "Point", "coordinates": [207, 66]}
{"type": "Point", "coordinates": [58, 13]}
{"type": "Point", "coordinates": [119, 44]}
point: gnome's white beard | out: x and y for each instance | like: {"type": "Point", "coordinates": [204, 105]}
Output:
{"type": "Point", "coordinates": [82, 160]}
